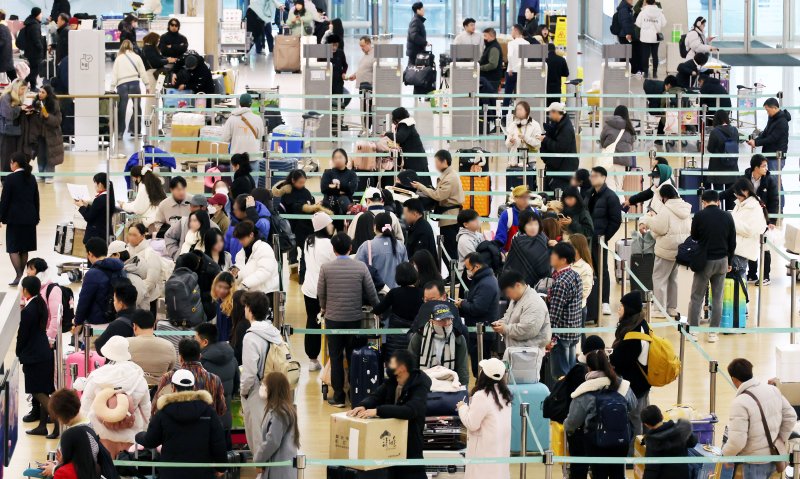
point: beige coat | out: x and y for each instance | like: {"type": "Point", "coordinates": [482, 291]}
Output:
{"type": "Point", "coordinates": [746, 436]}
{"type": "Point", "coordinates": [527, 321]}
{"type": "Point", "coordinates": [750, 223]}
{"type": "Point", "coordinates": [488, 435]}
{"type": "Point", "coordinates": [670, 227]}
{"type": "Point", "coordinates": [586, 273]}
{"type": "Point", "coordinates": [449, 194]}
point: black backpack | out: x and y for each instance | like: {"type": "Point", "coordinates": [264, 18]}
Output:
{"type": "Point", "coordinates": [183, 299]}
{"type": "Point", "coordinates": [682, 46]}
{"type": "Point", "coordinates": [67, 306]}
{"type": "Point", "coordinates": [281, 227]}
{"type": "Point", "coordinates": [490, 252]}
{"type": "Point", "coordinates": [21, 40]}
{"type": "Point", "coordinates": [556, 406]}
{"type": "Point", "coordinates": [615, 27]}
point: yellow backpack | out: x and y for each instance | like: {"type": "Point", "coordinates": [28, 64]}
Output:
{"type": "Point", "coordinates": [663, 366]}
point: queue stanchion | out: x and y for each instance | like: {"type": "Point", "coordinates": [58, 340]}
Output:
{"type": "Point", "coordinates": [795, 456]}
{"type": "Point", "coordinates": [440, 249]}
{"type": "Point", "coordinates": [300, 465]}
{"type": "Point", "coordinates": [762, 241]}
{"type": "Point", "coordinates": [87, 336]}
{"type": "Point", "coordinates": [647, 306]}
{"type": "Point", "coordinates": [479, 333]}
{"type": "Point", "coordinates": [453, 277]}
{"type": "Point", "coordinates": [603, 268]}
{"type": "Point", "coordinates": [713, 368]}
{"type": "Point", "coordinates": [624, 280]}
{"type": "Point", "coordinates": [548, 464]}
{"type": "Point", "coordinates": [540, 179]}
{"type": "Point", "coordinates": [681, 356]}
{"type": "Point", "coordinates": [524, 409]}
{"type": "Point", "coordinates": [793, 267]}
{"type": "Point", "coordinates": [60, 352]}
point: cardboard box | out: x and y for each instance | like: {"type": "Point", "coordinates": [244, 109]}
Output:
{"type": "Point", "coordinates": [211, 143]}
{"type": "Point", "coordinates": [354, 438]}
{"type": "Point", "coordinates": [638, 451]}
{"type": "Point", "coordinates": [787, 358]}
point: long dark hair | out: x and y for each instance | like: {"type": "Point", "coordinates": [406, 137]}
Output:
{"type": "Point", "coordinates": [33, 286]}
{"type": "Point", "coordinates": [295, 175]}
{"type": "Point", "coordinates": [572, 192]}
{"type": "Point", "coordinates": [622, 112]}
{"type": "Point", "coordinates": [338, 30]}
{"type": "Point", "coordinates": [76, 449]}
{"type": "Point", "coordinates": [242, 162]}
{"type": "Point", "coordinates": [496, 389]}
{"type": "Point", "coordinates": [721, 117]}
{"type": "Point", "coordinates": [279, 401]}
{"type": "Point", "coordinates": [102, 179]}
{"type": "Point", "coordinates": [50, 100]}
{"type": "Point", "coordinates": [426, 267]}
{"type": "Point", "coordinates": [209, 241]}
{"type": "Point", "coordinates": [526, 217]}
{"type": "Point", "coordinates": [344, 153]}
{"type": "Point", "coordinates": [237, 314]}
{"type": "Point", "coordinates": [383, 227]}
{"type": "Point", "coordinates": [23, 161]}
{"type": "Point", "coordinates": [743, 185]}
{"type": "Point", "coordinates": [323, 233]}
{"type": "Point", "coordinates": [205, 222]}
{"type": "Point", "coordinates": [598, 361]}
{"type": "Point", "coordinates": [626, 324]}
{"type": "Point", "coordinates": [152, 184]}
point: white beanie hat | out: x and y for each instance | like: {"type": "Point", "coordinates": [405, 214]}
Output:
{"type": "Point", "coordinates": [320, 220]}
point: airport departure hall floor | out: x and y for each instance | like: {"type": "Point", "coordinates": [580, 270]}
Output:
{"type": "Point", "coordinates": [313, 411]}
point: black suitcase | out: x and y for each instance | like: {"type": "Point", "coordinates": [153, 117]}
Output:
{"type": "Point", "coordinates": [546, 374]}
{"type": "Point", "coordinates": [424, 59]}
{"type": "Point", "coordinates": [444, 433]}
{"type": "Point", "coordinates": [691, 182]}
{"type": "Point", "coordinates": [642, 268]}
{"type": "Point", "coordinates": [341, 472]}
{"type": "Point", "coordinates": [421, 77]}
{"type": "Point", "coordinates": [47, 68]}
{"type": "Point", "coordinates": [234, 457]}
{"type": "Point", "coordinates": [515, 177]}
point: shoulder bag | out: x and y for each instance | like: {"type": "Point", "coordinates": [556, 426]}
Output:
{"type": "Point", "coordinates": [776, 447]}
{"type": "Point", "coordinates": [608, 161]}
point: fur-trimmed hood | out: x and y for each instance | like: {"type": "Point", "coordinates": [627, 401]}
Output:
{"type": "Point", "coordinates": [596, 384]}
{"type": "Point", "coordinates": [184, 397]}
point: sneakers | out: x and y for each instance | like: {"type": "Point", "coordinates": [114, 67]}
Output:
{"type": "Point", "coordinates": [49, 181]}
{"type": "Point", "coordinates": [314, 365]}
{"type": "Point", "coordinates": [713, 337]}
{"type": "Point", "coordinates": [672, 312]}
{"type": "Point", "coordinates": [606, 309]}
{"type": "Point", "coordinates": [335, 403]}
{"type": "Point", "coordinates": [751, 279]}
{"type": "Point", "coordinates": [766, 282]}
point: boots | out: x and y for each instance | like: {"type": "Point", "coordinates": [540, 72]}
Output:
{"type": "Point", "coordinates": [33, 415]}
{"type": "Point", "coordinates": [56, 432]}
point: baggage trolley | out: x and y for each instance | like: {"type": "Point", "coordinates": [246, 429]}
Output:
{"type": "Point", "coordinates": [234, 42]}
{"type": "Point", "coordinates": [746, 99]}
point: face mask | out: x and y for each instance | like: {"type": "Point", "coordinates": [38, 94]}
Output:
{"type": "Point", "coordinates": [262, 392]}
{"type": "Point", "coordinates": [390, 372]}
{"type": "Point", "coordinates": [442, 330]}
{"type": "Point", "coordinates": [212, 209]}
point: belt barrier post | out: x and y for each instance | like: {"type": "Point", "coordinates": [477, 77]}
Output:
{"type": "Point", "coordinates": [793, 267]}
{"type": "Point", "coordinates": [647, 306]}
{"type": "Point", "coordinates": [603, 268]}
{"type": "Point", "coordinates": [713, 368]}
{"type": "Point", "coordinates": [453, 278]}
{"type": "Point", "coordinates": [624, 280]}
{"type": "Point", "coordinates": [524, 408]}
{"type": "Point", "coordinates": [440, 249]}
{"type": "Point", "coordinates": [503, 17]}
{"type": "Point", "coordinates": [548, 464]}
{"type": "Point", "coordinates": [87, 336]}
{"type": "Point", "coordinates": [480, 328]}
{"type": "Point", "coordinates": [796, 463]}
{"type": "Point", "coordinates": [762, 241]}
{"type": "Point", "coordinates": [485, 115]}
{"type": "Point", "coordinates": [60, 354]}
{"type": "Point", "coordinates": [300, 465]}
{"type": "Point", "coordinates": [681, 356]}
{"type": "Point", "coordinates": [375, 22]}
{"type": "Point", "coordinates": [522, 157]}
{"type": "Point", "coordinates": [540, 180]}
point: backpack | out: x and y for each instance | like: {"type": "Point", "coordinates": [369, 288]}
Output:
{"type": "Point", "coordinates": [279, 359]}
{"type": "Point", "coordinates": [610, 427]}
{"type": "Point", "coordinates": [281, 227]}
{"type": "Point", "coordinates": [556, 405]}
{"type": "Point", "coordinates": [490, 252]}
{"type": "Point", "coordinates": [687, 252]}
{"type": "Point", "coordinates": [114, 279]}
{"type": "Point", "coordinates": [21, 40]}
{"type": "Point", "coordinates": [183, 300]}
{"type": "Point", "coordinates": [67, 306]}
{"type": "Point", "coordinates": [615, 27]}
{"type": "Point", "coordinates": [682, 46]}
{"type": "Point", "coordinates": [663, 366]}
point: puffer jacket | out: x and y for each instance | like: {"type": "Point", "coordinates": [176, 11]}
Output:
{"type": "Point", "coordinates": [259, 215]}
{"type": "Point", "coordinates": [651, 21]}
{"type": "Point", "coordinates": [608, 136]}
{"type": "Point", "coordinates": [696, 43]}
{"type": "Point", "coordinates": [481, 303]}
{"type": "Point", "coordinates": [417, 37]}
{"type": "Point", "coordinates": [582, 409]}
{"type": "Point", "coordinates": [671, 439]}
{"type": "Point", "coordinates": [748, 216]}
{"type": "Point", "coordinates": [527, 321]}
{"type": "Point", "coordinates": [775, 136]}
{"type": "Point", "coordinates": [746, 435]}
{"type": "Point", "coordinates": [523, 134]}
{"type": "Point", "coordinates": [142, 206]}
{"type": "Point", "coordinates": [606, 212]}
{"type": "Point", "coordinates": [93, 299]}
{"type": "Point", "coordinates": [670, 226]}
{"type": "Point", "coordinates": [259, 272]}
{"type": "Point", "coordinates": [265, 9]}
{"type": "Point", "coordinates": [218, 358]}
{"type": "Point", "coordinates": [529, 256]}
{"type": "Point", "coordinates": [136, 271]}
{"type": "Point", "coordinates": [467, 243]}
{"type": "Point", "coordinates": [716, 145]}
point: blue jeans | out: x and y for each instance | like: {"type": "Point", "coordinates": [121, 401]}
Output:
{"type": "Point", "coordinates": [758, 471]}
{"type": "Point", "coordinates": [124, 90]}
{"type": "Point", "coordinates": [562, 357]}
{"type": "Point", "coordinates": [42, 157]}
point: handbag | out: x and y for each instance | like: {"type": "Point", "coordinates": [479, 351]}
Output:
{"type": "Point", "coordinates": [608, 161]}
{"type": "Point", "coordinates": [659, 37]}
{"type": "Point", "coordinates": [777, 447]}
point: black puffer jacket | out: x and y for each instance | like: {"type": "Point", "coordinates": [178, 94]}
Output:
{"type": "Point", "coordinates": [483, 298]}
{"type": "Point", "coordinates": [529, 256]}
{"type": "Point", "coordinates": [560, 138]}
{"type": "Point", "coordinates": [6, 50]}
{"type": "Point", "coordinates": [417, 38]}
{"type": "Point", "coordinates": [775, 136]}
{"type": "Point", "coordinates": [188, 430]}
{"type": "Point", "coordinates": [712, 86]}
{"type": "Point", "coordinates": [34, 41]}
{"type": "Point", "coordinates": [606, 212]}
{"type": "Point", "coordinates": [173, 45]}
{"type": "Point", "coordinates": [671, 439]}
{"type": "Point", "coordinates": [716, 145]}
{"type": "Point", "coordinates": [218, 358]}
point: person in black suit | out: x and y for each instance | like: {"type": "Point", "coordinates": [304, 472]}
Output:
{"type": "Point", "coordinates": [689, 71]}
{"type": "Point", "coordinates": [19, 210]}
{"type": "Point", "coordinates": [556, 69]}
{"type": "Point", "coordinates": [98, 211]}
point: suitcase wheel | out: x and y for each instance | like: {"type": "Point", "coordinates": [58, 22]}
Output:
{"type": "Point", "coordinates": [324, 392]}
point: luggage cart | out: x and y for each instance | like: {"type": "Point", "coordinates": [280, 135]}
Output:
{"type": "Point", "coordinates": [746, 99]}
{"type": "Point", "coordinates": [234, 42]}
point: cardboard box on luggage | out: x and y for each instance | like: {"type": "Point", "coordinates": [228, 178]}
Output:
{"type": "Point", "coordinates": [355, 438]}
{"type": "Point", "coordinates": [186, 125]}
{"type": "Point", "coordinates": [211, 142]}
{"type": "Point", "coordinates": [638, 451]}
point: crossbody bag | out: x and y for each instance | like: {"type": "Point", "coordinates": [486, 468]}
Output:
{"type": "Point", "coordinates": [780, 466]}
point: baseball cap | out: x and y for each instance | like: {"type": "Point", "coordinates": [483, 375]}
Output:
{"type": "Point", "coordinates": [245, 99]}
{"type": "Point", "coordinates": [183, 378]}
{"type": "Point", "coordinates": [442, 312]}
{"type": "Point", "coordinates": [116, 247]}
{"type": "Point", "coordinates": [74, 21]}
{"type": "Point", "coordinates": [557, 106]}
{"type": "Point", "coordinates": [198, 200]}
{"type": "Point", "coordinates": [218, 200]}
{"type": "Point", "coordinates": [520, 190]}
{"type": "Point", "coordinates": [373, 194]}
{"type": "Point", "coordinates": [493, 368]}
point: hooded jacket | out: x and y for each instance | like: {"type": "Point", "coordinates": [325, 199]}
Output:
{"type": "Point", "coordinates": [255, 346]}
{"type": "Point", "coordinates": [417, 38]}
{"type": "Point", "coordinates": [34, 41]}
{"type": "Point", "coordinates": [651, 21]}
{"type": "Point", "coordinates": [748, 216]}
{"type": "Point", "coordinates": [767, 191]}
{"type": "Point", "coordinates": [188, 430]}
{"type": "Point", "coordinates": [127, 376]}
{"type": "Point", "coordinates": [260, 271]}
{"type": "Point", "coordinates": [670, 227]}
{"type": "Point", "coordinates": [93, 299]}
{"type": "Point", "coordinates": [581, 220]}
{"type": "Point", "coordinates": [609, 134]}
{"type": "Point", "coordinates": [716, 145]}
{"type": "Point", "coordinates": [606, 211]}
{"type": "Point", "coordinates": [652, 194]}
{"type": "Point", "coordinates": [527, 321]}
{"type": "Point", "coordinates": [259, 215]}
{"type": "Point", "coordinates": [467, 242]}
{"type": "Point", "coordinates": [218, 358]}
{"type": "Point", "coordinates": [243, 138]}
{"type": "Point", "coordinates": [530, 256]}
{"type": "Point", "coordinates": [775, 136]}
{"type": "Point", "coordinates": [670, 439]}
{"type": "Point", "coordinates": [582, 409]}
{"type": "Point", "coordinates": [483, 298]}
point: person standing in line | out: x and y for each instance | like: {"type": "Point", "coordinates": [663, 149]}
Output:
{"type": "Point", "coordinates": [417, 38]}
{"type": "Point", "coordinates": [487, 418]}
{"type": "Point", "coordinates": [750, 217]}
{"type": "Point", "coordinates": [6, 49]}
{"type": "Point", "coordinates": [41, 132]}
{"type": "Point", "coordinates": [557, 70]}
{"type": "Point", "coordinates": [126, 75]}
{"type": "Point", "coordinates": [607, 217]}
{"type": "Point", "coordinates": [124, 301]}
{"type": "Point", "coordinates": [280, 431]}
{"type": "Point", "coordinates": [480, 304]}
{"type": "Point", "coordinates": [383, 252]}
{"type": "Point", "coordinates": [760, 419]}
{"type": "Point", "coordinates": [514, 62]}
{"type": "Point", "coordinates": [469, 36]}
{"type": "Point", "coordinates": [344, 286]}
{"type": "Point", "coordinates": [420, 233]}
{"type": "Point", "coordinates": [508, 223]}
{"type": "Point", "coordinates": [670, 227]}
{"type": "Point", "coordinates": [95, 294]}
{"type": "Point", "coordinates": [155, 355]}
{"type": "Point", "coordinates": [666, 439]}
{"type": "Point", "coordinates": [522, 131]}
{"type": "Point", "coordinates": [404, 133]}
{"type": "Point", "coordinates": [52, 295]}
{"type": "Point", "coordinates": [448, 195]}
{"type": "Point", "coordinates": [338, 184]}
{"type": "Point", "coordinates": [469, 235]}
{"type": "Point", "coordinates": [243, 182]}
{"type": "Point", "coordinates": [19, 211]}
{"type": "Point", "coordinates": [173, 208]}
{"type": "Point", "coordinates": [31, 42]}
{"type": "Point", "coordinates": [583, 266]}
{"type": "Point", "coordinates": [559, 143]}
{"type": "Point", "coordinates": [491, 61]}
{"type": "Point", "coordinates": [715, 232]}
{"type": "Point", "coordinates": [149, 194]}
{"type": "Point", "coordinates": [317, 250]}
{"type": "Point", "coordinates": [530, 252]}
{"type": "Point", "coordinates": [775, 136]}
{"type": "Point", "coordinates": [526, 322]}
{"type": "Point", "coordinates": [243, 130]}
{"type": "Point", "coordinates": [576, 218]}
{"type": "Point", "coordinates": [564, 300]}
{"type": "Point", "coordinates": [218, 359]}
{"type": "Point", "coordinates": [619, 124]}
{"type": "Point", "coordinates": [651, 21]}
{"type": "Point", "coordinates": [723, 132]}
{"type": "Point", "coordinates": [255, 268]}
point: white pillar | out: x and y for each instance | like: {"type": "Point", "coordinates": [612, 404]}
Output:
{"type": "Point", "coordinates": [87, 77]}
{"type": "Point", "coordinates": [573, 27]}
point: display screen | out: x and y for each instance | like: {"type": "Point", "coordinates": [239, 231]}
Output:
{"type": "Point", "coordinates": [11, 411]}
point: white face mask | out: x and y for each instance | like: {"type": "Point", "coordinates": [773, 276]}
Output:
{"type": "Point", "coordinates": [212, 210]}
{"type": "Point", "coordinates": [442, 331]}
{"type": "Point", "coordinates": [262, 392]}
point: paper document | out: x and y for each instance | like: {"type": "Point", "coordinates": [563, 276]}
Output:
{"type": "Point", "coordinates": [78, 192]}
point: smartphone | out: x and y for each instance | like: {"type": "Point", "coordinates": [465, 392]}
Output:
{"type": "Point", "coordinates": [561, 215]}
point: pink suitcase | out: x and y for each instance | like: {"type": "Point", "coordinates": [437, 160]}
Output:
{"type": "Point", "coordinates": [78, 358]}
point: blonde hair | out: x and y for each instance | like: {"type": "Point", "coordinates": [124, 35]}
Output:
{"type": "Point", "coordinates": [125, 47]}
{"type": "Point", "coordinates": [14, 91]}
{"type": "Point", "coordinates": [226, 306]}
{"type": "Point", "coordinates": [581, 245]}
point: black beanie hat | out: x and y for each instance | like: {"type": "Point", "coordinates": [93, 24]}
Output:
{"type": "Point", "coordinates": [632, 302]}
{"type": "Point", "coordinates": [592, 343]}
{"type": "Point", "coordinates": [35, 11]}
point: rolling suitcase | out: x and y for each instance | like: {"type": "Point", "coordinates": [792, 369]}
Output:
{"type": "Point", "coordinates": [259, 172]}
{"type": "Point", "coordinates": [342, 472]}
{"type": "Point", "coordinates": [691, 182]}
{"type": "Point", "coordinates": [366, 373]}
{"type": "Point", "coordinates": [443, 433]}
{"type": "Point", "coordinates": [533, 394]}
{"type": "Point", "coordinates": [76, 366]}
{"type": "Point", "coordinates": [642, 260]}
{"type": "Point", "coordinates": [632, 184]}
{"type": "Point", "coordinates": [734, 302]}
{"type": "Point", "coordinates": [234, 457]}
{"type": "Point", "coordinates": [480, 203]}
{"type": "Point", "coordinates": [515, 176]}
{"type": "Point", "coordinates": [286, 139]}
{"type": "Point", "coordinates": [423, 79]}
{"type": "Point", "coordinates": [444, 403]}
{"type": "Point", "coordinates": [286, 54]}
{"type": "Point", "coordinates": [546, 373]}
{"type": "Point", "coordinates": [623, 249]}
{"type": "Point", "coordinates": [524, 364]}
{"type": "Point", "coordinates": [279, 169]}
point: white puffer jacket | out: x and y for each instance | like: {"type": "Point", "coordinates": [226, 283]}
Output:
{"type": "Point", "coordinates": [651, 21]}
{"type": "Point", "coordinates": [129, 377]}
{"type": "Point", "coordinates": [521, 134]}
{"type": "Point", "coordinates": [748, 216]}
{"type": "Point", "coordinates": [670, 227]}
{"type": "Point", "coordinates": [260, 271]}
{"type": "Point", "coordinates": [142, 206]}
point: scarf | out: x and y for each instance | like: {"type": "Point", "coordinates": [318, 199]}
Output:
{"type": "Point", "coordinates": [437, 349]}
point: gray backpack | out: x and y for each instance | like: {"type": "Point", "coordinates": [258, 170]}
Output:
{"type": "Point", "coordinates": [183, 300]}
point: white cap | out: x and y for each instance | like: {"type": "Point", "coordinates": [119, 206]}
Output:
{"type": "Point", "coordinates": [493, 368]}
{"type": "Point", "coordinates": [116, 247]}
{"type": "Point", "coordinates": [183, 378]}
{"type": "Point", "coordinates": [557, 106]}
{"type": "Point", "coordinates": [320, 220]}
{"type": "Point", "coordinates": [116, 349]}
{"type": "Point", "coordinates": [373, 194]}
